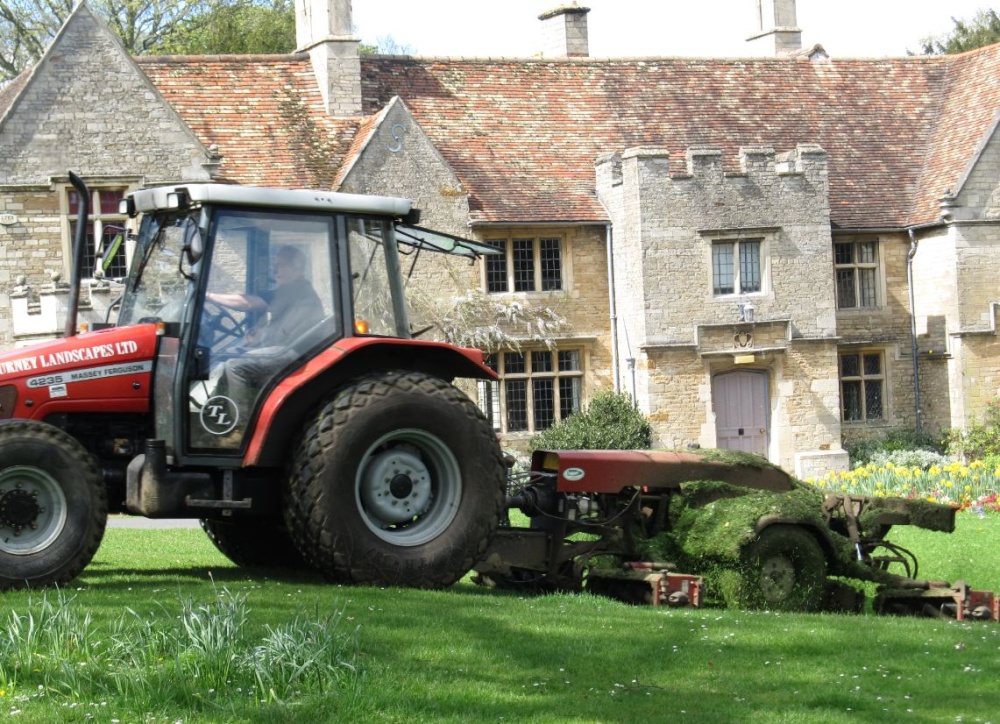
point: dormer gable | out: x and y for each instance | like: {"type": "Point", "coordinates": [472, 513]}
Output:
{"type": "Point", "coordinates": [87, 106]}
{"type": "Point", "coordinates": [393, 148]}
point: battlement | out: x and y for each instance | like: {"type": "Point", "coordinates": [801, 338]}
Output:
{"type": "Point", "coordinates": [670, 211]}
{"type": "Point", "coordinates": [708, 163]}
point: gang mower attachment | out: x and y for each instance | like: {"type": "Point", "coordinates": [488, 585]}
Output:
{"type": "Point", "coordinates": [684, 528]}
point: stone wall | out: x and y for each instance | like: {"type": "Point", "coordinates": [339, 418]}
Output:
{"type": "Point", "coordinates": [665, 223]}
{"type": "Point", "coordinates": [30, 246]}
{"type": "Point", "coordinates": [966, 313]}
{"type": "Point", "coordinates": [89, 109]}
{"type": "Point", "coordinates": [804, 414]}
{"type": "Point", "coordinates": [399, 160]}
{"type": "Point", "coordinates": [980, 372]}
{"type": "Point", "coordinates": [885, 328]}
{"type": "Point", "coordinates": [783, 202]}
{"type": "Point", "coordinates": [622, 203]}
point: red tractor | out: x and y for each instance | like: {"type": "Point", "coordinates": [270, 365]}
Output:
{"type": "Point", "coordinates": [260, 375]}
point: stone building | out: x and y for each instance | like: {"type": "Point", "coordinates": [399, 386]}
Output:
{"type": "Point", "coordinates": [778, 254]}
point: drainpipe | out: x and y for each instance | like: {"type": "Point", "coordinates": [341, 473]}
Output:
{"type": "Point", "coordinates": [913, 331]}
{"type": "Point", "coordinates": [635, 397]}
{"type": "Point", "coordinates": [608, 234]}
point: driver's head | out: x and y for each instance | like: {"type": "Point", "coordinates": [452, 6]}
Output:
{"type": "Point", "coordinates": [289, 264]}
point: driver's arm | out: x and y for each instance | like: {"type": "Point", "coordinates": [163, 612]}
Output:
{"type": "Point", "coordinates": [239, 302]}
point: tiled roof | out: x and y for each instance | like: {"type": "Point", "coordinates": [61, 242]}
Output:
{"type": "Point", "coordinates": [523, 134]}
{"type": "Point", "coordinates": [364, 133]}
{"type": "Point", "coordinates": [264, 113]}
{"type": "Point", "coordinates": [970, 104]}
{"type": "Point", "coordinates": [10, 91]}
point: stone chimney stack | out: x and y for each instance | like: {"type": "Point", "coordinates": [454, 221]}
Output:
{"type": "Point", "coordinates": [564, 31]}
{"type": "Point", "coordinates": [777, 31]}
{"type": "Point", "coordinates": [323, 28]}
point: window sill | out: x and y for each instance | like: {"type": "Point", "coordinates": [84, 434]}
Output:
{"type": "Point", "coordinates": [525, 295]}
{"type": "Point", "coordinates": [739, 296]}
{"type": "Point", "coordinates": [852, 311]}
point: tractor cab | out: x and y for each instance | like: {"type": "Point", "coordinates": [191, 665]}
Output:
{"type": "Point", "coordinates": [260, 375]}
{"type": "Point", "coordinates": [247, 285]}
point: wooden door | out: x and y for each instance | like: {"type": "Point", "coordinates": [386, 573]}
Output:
{"type": "Point", "coordinates": [741, 411]}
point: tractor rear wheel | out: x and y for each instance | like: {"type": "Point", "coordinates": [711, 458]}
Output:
{"type": "Point", "coordinates": [254, 543]}
{"type": "Point", "coordinates": [53, 506]}
{"type": "Point", "coordinates": [784, 569]}
{"type": "Point", "coordinates": [399, 481]}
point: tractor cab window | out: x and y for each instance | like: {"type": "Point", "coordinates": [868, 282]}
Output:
{"type": "Point", "coordinates": [269, 303]}
{"type": "Point", "coordinates": [371, 292]}
{"type": "Point", "coordinates": [156, 288]}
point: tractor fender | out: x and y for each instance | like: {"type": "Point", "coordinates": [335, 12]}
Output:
{"type": "Point", "coordinates": [292, 400]}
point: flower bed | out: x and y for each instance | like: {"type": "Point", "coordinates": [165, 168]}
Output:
{"type": "Point", "coordinates": [971, 487]}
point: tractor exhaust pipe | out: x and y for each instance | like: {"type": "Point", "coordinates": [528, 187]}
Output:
{"type": "Point", "coordinates": [79, 252]}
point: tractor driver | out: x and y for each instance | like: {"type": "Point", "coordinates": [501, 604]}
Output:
{"type": "Point", "coordinates": [292, 307]}
{"type": "Point", "coordinates": [289, 310]}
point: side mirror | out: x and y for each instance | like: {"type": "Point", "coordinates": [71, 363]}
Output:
{"type": "Point", "coordinates": [192, 251]}
{"type": "Point", "coordinates": [194, 247]}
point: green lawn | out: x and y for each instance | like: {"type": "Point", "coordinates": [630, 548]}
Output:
{"type": "Point", "coordinates": [133, 641]}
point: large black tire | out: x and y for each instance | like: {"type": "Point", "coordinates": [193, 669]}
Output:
{"type": "Point", "coordinates": [53, 506]}
{"type": "Point", "coordinates": [254, 543]}
{"type": "Point", "coordinates": [784, 569]}
{"type": "Point", "coordinates": [399, 481]}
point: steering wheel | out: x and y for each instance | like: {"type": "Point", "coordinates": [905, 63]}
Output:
{"type": "Point", "coordinates": [220, 323]}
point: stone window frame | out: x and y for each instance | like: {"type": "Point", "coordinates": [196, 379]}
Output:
{"type": "Point", "coordinates": [545, 248]}
{"type": "Point", "coordinates": [764, 270]}
{"type": "Point", "coordinates": [497, 398]}
{"type": "Point", "coordinates": [865, 380]}
{"type": "Point", "coordinates": [98, 219]}
{"type": "Point", "coordinates": [876, 267]}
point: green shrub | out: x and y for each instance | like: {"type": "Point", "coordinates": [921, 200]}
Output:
{"type": "Point", "coordinates": [991, 462]}
{"type": "Point", "coordinates": [981, 439]}
{"type": "Point", "coordinates": [864, 451]}
{"type": "Point", "coordinates": [610, 422]}
{"type": "Point", "coordinates": [922, 459]}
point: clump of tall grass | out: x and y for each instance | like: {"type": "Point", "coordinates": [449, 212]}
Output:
{"type": "Point", "coordinates": [204, 656]}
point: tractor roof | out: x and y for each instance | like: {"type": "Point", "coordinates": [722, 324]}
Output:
{"type": "Point", "coordinates": [172, 197]}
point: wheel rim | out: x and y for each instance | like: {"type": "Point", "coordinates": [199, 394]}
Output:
{"type": "Point", "coordinates": [32, 510]}
{"type": "Point", "coordinates": [777, 578]}
{"type": "Point", "coordinates": [409, 487]}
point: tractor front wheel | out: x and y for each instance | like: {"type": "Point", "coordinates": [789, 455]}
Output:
{"type": "Point", "coordinates": [784, 569]}
{"type": "Point", "coordinates": [53, 506]}
{"type": "Point", "coordinates": [399, 481]}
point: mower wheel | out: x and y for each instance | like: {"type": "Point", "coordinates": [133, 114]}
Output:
{"type": "Point", "coordinates": [783, 569]}
{"type": "Point", "coordinates": [398, 481]}
{"type": "Point", "coordinates": [254, 543]}
{"type": "Point", "coordinates": [53, 506]}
